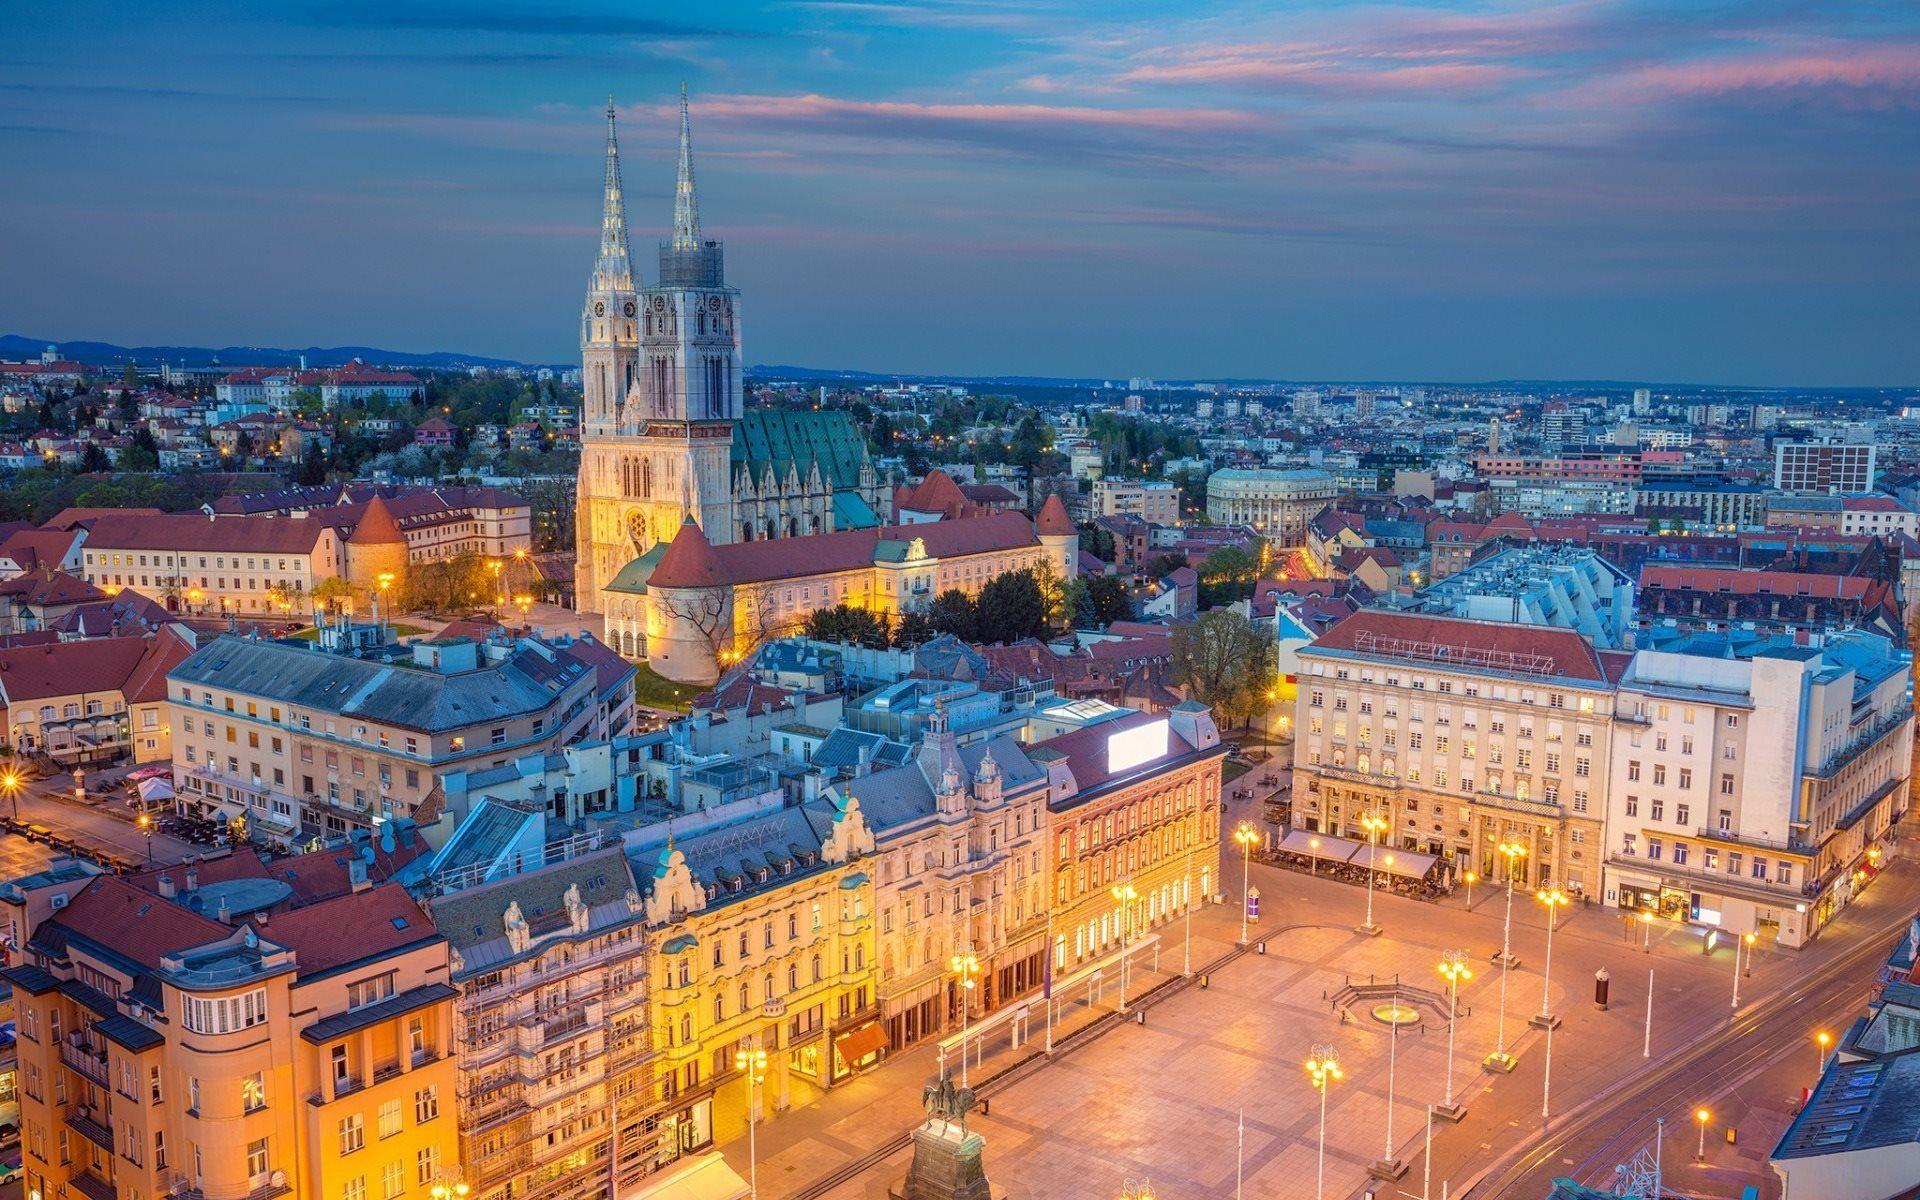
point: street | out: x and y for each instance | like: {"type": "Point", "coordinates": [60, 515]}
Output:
{"type": "Point", "coordinates": [103, 822]}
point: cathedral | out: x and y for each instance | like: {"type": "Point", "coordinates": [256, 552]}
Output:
{"type": "Point", "coordinates": [665, 433]}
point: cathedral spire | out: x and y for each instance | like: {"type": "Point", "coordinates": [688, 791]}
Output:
{"type": "Point", "coordinates": [614, 268]}
{"type": "Point", "coordinates": [686, 211]}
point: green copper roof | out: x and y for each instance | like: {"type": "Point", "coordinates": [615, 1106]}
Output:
{"type": "Point", "coordinates": [779, 438]}
{"type": "Point", "coordinates": [633, 577]}
{"type": "Point", "coordinates": [851, 511]}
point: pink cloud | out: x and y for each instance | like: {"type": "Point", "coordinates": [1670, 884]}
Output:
{"type": "Point", "coordinates": [830, 113]}
{"type": "Point", "coordinates": [1332, 75]}
{"type": "Point", "coordinates": [1883, 76]}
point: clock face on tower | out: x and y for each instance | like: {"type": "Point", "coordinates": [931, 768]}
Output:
{"type": "Point", "coordinates": [637, 528]}
{"type": "Point", "coordinates": [599, 308]}
{"type": "Point", "coordinates": [630, 308]}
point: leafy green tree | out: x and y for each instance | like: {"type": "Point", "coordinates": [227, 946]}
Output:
{"type": "Point", "coordinates": [846, 624]}
{"type": "Point", "coordinates": [1224, 662]}
{"type": "Point", "coordinates": [913, 629]}
{"type": "Point", "coordinates": [954, 612]}
{"type": "Point", "coordinates": [142, 454]}
{"type": "Point", "coordinates": [331, 591]}
{"type": "Point", "coordinates": [313, 466]}
{"type": "Point", "coordinates": [93, 460]}
{"type": "Point", "coordinates": [1011, 607]}
{"type": "Point", "coordinates": [1108, 596]}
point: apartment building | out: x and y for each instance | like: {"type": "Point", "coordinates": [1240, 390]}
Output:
{"type": "Point", "coordinates": [1134, 802]}
{"type": "Point", "coordinates": [231, 1038]}
{"type": "Point", "coordinates": [1756, 782]}
{"type": "Point", "coordinates": [301, 740]}
{"type": "Point", "coordinates": [959, 841]}
{"type": "Point", "coordinates": [1823, 467]}
{"type": "Point", "coordinates": [763, 930]}
{"type": "Point", "coordinates": [1152, 501]}
{"type": "Point", "coordinates": [259, 565]}
{"type": "Point", "coordinates": [555, 1057]}
{"type": "Point", "coordinates": [1465, 735]}
{"type": "Point", "coordinates": [93, 700]}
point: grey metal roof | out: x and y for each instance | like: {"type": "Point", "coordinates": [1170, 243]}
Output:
{"type": "Point", "coordinates": [471, 917]}
{"type": "Point", "coordinates": [784, 844]}
{"type": "Point", "coordinates": [905, 794]}
{"type": "Point", "coordinates": [1857, 1106]}
{"type": "Point", "coordinates": [393, 694]}
{"type": "Point", "coordinates": [340, 1024]}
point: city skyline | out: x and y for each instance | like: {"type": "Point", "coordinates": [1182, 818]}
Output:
{"type": "Point", "coordinates": [1422, 192]}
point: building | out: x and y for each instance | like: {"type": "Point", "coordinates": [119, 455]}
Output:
{"type": "Point", "coordinates": [1276, 503]}
{"type": "Point", "coordinates": [194, 563]}
{"type": "Point", "coordinates": [437, 522]}
{"type": "Point", "coordinates": [217, 1030]}
{"type": "Point", "coordinates": [91, 701]}
{"type": "Point", "coordinates": [1857, 1137]}
{"type": "Point", "coordinates": [1154, 502]}
{"type": "Point", "coordinates": [1562, 425]}
{"type": "Point", "coordinates": [666, 436]}
{"type": "Point", "coordinates": [1823, 467]}
{"type": "Point", "coordinates": [1676, 598]}
{"type": "Point", "coordinates": [1133, 803]}
{"type": "Point", "coordinates": [1724, 506]}
{"type": "Point", "coordinates": [1849, 516]}
{"type": "Point", "coordinates": [690, 605]}
{"type": "Point", "coordinates": [1465, 736]}
{"type": "Point", "coordinates": [764, 925]}
{"type": "Point", "coordinates": [1755, 780]}
{"type": "Point", "coordinates": [1545, 583]}
{"type": "Point", "coordinates": [551, 962]}
{"type": "Point", "coordinates": [301, 740]}
{"type": "Point", "coordinates": [960, 867]}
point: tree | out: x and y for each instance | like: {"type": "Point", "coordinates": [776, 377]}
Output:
{"type": "Point", "coordinates": [313, 465]}
{"type": "Point", "coordinates": [846, 624]}
{"type": "Point", "coordinates": [1011, 606]}
{"type": "Point", "coordinates": [913, 629]}
{"type": "Point", "coordinates": [1162, 565]}
{"type": "Point", "coordinates": [142, 454]}
{"type": "Point", "coordinates": [1108, 596]}
{"type": "Point", "coordinates": [1053, 593]}
{"type": "Point", "coordinates": [1227, 575]}
{"type": "Point", "coordinates": [953, 611]}
{"type": "Point", "coordinates": [93, 459]}
{"type": "Point", "coordinates": [130, 376]}
{"type": "Point", "coordinates": [1224, 662]}
{"type": "Point", "coordinates": [1097, 542]}
{"type": "Point", "coordinates": [331, 591]}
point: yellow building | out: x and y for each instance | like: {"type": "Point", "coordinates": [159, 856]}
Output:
{"type": "Point", "coordinates": [690, 605]}
{"type": "Point", "coordinates": [246, 1034]}
{"type": "Point", "coordinates": [1134, 804]}
{"type": "Point", "coordinates": [763, 941]}
{"type": "Point", "coordinates": [92, 700]}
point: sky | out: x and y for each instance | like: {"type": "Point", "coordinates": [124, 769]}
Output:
{"type": "Point", "coordinates": [1642, 190]}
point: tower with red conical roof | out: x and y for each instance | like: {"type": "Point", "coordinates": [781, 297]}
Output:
{"type": "Point", "coordinates": [377, 546]}
{"type": "Point", "coordinates": [1056, 532]}
{"type": "Point", "coordinates": [691, 609]}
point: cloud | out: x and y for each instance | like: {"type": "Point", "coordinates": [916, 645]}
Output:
{"type": "Point", "coordinates": [1882, 76]}
{"type": "Point", "coordinates": [999, 18]}
{"type": "Point", "coordinates": [1328, 75]}
{"type": "Point", "coordinates": [528, 22]}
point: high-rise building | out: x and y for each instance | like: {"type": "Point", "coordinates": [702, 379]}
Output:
{"type": "Point", "coordinates": [1830, 467]}
{"type": "Point", "coordinates": [666, 435]}
{"type": "Point", "coordinates": [1642, 402]}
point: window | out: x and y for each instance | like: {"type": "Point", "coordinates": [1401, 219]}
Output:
{"type": "Point", "coordinates": [1726, 785]}
{"type": "Point", "coordinates": [354, 1189]}
{"type": "Point", "coordinates": [1659, 773]}
{"type": "Point", "coordinates": [1679, 853]}
{"type": "Point", "coordinates": [1633, 769]}
{"type": "Point", "coordinates": [226, 1014]}
{"type": "Point", "coordinates": [1686, 777]}
{"type": "Point", "coordinates": [353, 1133]}
{"type": "Point", "coordinates": [257, 1158]}
{"type": "Point", "coordinates": [253, 1092]}
{"type": "Point", "coordinates": [1680, 814]}
{"type": "Point", "coordinates": [393, 1180]}
{"type": "Point", "coordinates": [1633, 806]}
{"type": "Point", "coordinates": [1654, 846]}
{"type": "Point", "coordinates": [426, 1104]}
{"type": "Point", "coordinates": [369, 991]}
{"type": "Point", "coordinates": [427, 1163]}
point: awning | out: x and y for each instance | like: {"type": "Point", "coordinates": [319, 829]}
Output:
{"type": "Point", "coordinates": [152, 790]}
{"type": "Point", "coordinates": [867, 1039]}
{"type": "Point", "coordinates": [705, 1177]}
{"type": "Point", "coordinates": [1410, 863]}
{"type": "Point", "coordinates": [1324, 846]}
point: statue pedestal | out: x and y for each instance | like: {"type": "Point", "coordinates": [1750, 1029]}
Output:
{"type": "Point", "coordinates": [946, 1165]}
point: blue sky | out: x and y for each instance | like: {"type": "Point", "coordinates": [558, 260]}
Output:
{"type": "Point", "coordinates": [1699, 190]}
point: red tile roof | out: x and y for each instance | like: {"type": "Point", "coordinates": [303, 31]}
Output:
{"type": "Point", "coordinates": [937, 493]}
{"type": "Point", "coordinates": [349, 928]}
{"type": "Point", "coordinates": [1053, 520]}
{"type": "Point", "coordinates": [49, 588]}
{"type": "Point", "coordinates": [823, 553]}
{"type": "Point", "coordinates": [197, 532]}
{"type": "Point", "coordinates": [377, 526]}
{"type": "Point", "coordinates": [690, 561]}
{"type": "Point", "coordinates": [69, 668]}
{"type": "Point", "coordinates": [1465, 645]}
{"type": "Point", "coordinates": [34, 547]}
{"type": "Point", "coordinates": [1738, 582]}
{"type": "Point", "coordinates": [135, 923]}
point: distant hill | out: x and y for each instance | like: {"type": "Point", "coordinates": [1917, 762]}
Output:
{"type": "Point", "coordinates": [106, 353]}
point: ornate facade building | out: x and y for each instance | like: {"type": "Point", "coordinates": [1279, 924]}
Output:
{"type": "Point", "coordinates": [665, 435]}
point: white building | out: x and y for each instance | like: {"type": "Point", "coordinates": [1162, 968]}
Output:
{"type": "Point", "coordinates": [1277, 503]}
{"type": "Point", "coordinates": [1823, 467]}
{"type": "Point", "coordinates": [1753, 787]}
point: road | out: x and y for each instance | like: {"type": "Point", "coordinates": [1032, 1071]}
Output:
{"type": "Point", "coordinates": [93, 824]}
{"type": "Point", "coordinates": [1750, 1068]}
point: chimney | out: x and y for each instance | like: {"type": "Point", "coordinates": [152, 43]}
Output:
{"type": "Point", "coordinates": [166, 887]}
{"type": "Point", "coordinates": [224, 915]}
{"type": "Point", "coordinates": [357, 873]}
{"type": "Point", "coordinates": [193, 877]}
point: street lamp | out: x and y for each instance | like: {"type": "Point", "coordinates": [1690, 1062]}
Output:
{"type": "Point", "coordinates": [146, 827]}
{"type": "Point", "coordinates": [1701, 1116]}
{"type": "Point", "coordinates": [1472, 878]}
{"type": "Point", "coordinates": [1244, 834]}
{"type": "Point", "coordinates": [1324, 1067]}
{"type": "Point", "coordinates": [966, 969]}
{"type": "Point", "coordinates": [1554, 899]}
{"type": "Point", "coordinates": [1124, 893]}
{"type": "Point", "coordinates": [1374, 824]}
{"type": "Point", "coordinates": [1646, 924]}
{"type": "Point", "coordinates": [10, 781]}
{"type": "Point", "coordinates": [1453, 968]}
{"type": "Point", "coordinates": [1313, 859]}
{"type": "Point", "coordinates": [1744, 943]}
{"type": "Point", "coordinates": [1821, 1041]}
{"type": "Point", "coordinates": [751, 1060]}
{"type": "Point", "coordinates": [1513, 852]}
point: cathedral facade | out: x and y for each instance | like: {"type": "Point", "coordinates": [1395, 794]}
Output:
{"type": "Point", "coordinates": [665, 433]}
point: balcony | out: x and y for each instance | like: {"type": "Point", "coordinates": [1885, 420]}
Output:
{"type": "Point", "coordinates": [90, 1123]}
{"type": "Point", "coordinates": [1862, 742]}
{"type": "Point", "coordinates": [1682, 874]}
{"type": "Point", "coordinates": [91, 1186]}
{"type": "Point", "coordinates": [276, 1187]}
{"type": "Point", "coordinates": [90, 1064]}
{"type": "Point", "coordinates": [1519, 804]}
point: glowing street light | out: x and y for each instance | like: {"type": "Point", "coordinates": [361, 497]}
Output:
{"type": "Point", "coordinates": [10, 783]}
{"type": "Point", "coordinates": [1245, 835]}
{"type": "Point", "coordinates": [1554, 899]}
{"type": "Point", "coordinates": [751, 1061]}
{"type": "Point", "coordinates": [1324, 1067]}
{"type": "Point", "coordinates": [146, 827]}
{"type": "Point", "coordinates": [1744, 943]}
{"type": "Point", "coordinates": [1375, 825]}
{"type": "Point", "coordinates": [1124, 893]}
{"type": "Point", "coordinates": [1513, 852]}
{"type": "Point", "coordinates": [1453, 968]}
{"type": "Point", "coordinates": [1500, 1060]}
{"type": "Point", "coordinates": [966, 969]}
{"type": "Point", "coordinates": [1821, 1041]}
{"type": "Point", "coordinates": [1471, 878]}
{"type": "Point", "coordinates": [1701, 1116]}
{"type": "Point", "coordinates": [456, 1190]}
{"type": "Point", "coordinates": [1646, 924]}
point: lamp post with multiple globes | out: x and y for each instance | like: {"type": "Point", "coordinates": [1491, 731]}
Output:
{"type": "Point", "coordinates": [1245, 835]}
{"type": "Point", "coordinates": [1125, 895]}
{"type": "Point", "coordinates": [1453, 969]}
{"type": "Point", "coordinates": [751, 1061]}
{"type": "Point", "coordinates": [966, 969]}
{"type": "Point", "coordinates": [1375, 825]}
{"type": "Point", "coordinates": [1324, 1067]}
{"type": "Point", "coordinates": [1555, 900]}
